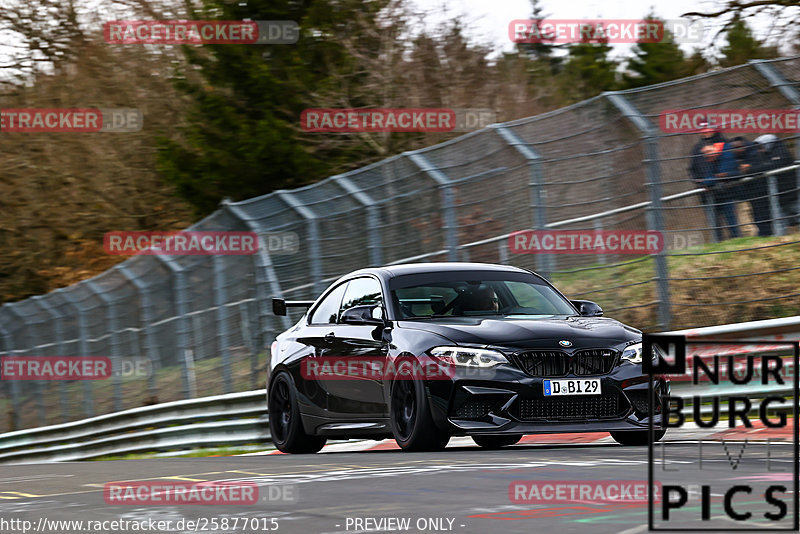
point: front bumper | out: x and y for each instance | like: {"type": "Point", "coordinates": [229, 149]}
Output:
{"type": "Point", "coordinates": [510, 401]}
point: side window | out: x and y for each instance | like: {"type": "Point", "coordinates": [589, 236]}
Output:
{"type": "Point", "coordinates": [327, 312]}
{"type": "Point", "coordinates": [361, 292]}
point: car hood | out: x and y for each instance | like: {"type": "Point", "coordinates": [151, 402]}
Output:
{"type": "Point", "coordinates": [582, 332]}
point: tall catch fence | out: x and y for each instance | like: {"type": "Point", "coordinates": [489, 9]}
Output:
{"type": "Point", "coordinates": [202, 325]}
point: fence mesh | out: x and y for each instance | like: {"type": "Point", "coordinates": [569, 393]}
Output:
{"type": "Point", "coordinates": [202, 325]}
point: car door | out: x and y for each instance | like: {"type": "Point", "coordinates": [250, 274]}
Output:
{"type": "Point", "coordinates": [318, 340]}
{"type": "Point", "coordinates": [361, 394]}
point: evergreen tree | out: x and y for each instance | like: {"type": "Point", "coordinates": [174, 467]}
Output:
{"type": "Point", "coordinates": [589, 70]}
{"type": "Point", "coordinates": [242, 137]}
{"type": "Point", "coordinates": [655, 62]}
{"type": "Point", "coordinates": [743, 45]}
{"type": "Point", "coordinates": [541, 52]}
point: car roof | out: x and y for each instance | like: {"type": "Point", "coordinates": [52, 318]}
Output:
{"type": "Point", "coordinates": [417, 268]}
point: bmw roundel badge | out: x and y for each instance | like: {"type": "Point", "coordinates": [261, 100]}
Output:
{"type": "Point", "coordinates": [565, 343]}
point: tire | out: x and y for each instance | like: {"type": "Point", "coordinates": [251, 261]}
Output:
{"type": "Point", "coordinates": [496, 441]}
{"type": "Point", "coordinates": [410, 418]}
{"type": "Point", "coordinates": [284, 419]}
{"type": "Point", "coordinates": [637, 437]}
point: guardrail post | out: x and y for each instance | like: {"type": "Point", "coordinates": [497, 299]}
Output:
{"type": "Point", "coordinates": [788, 90]}
{"type": "Point", "coordinates": [13, 385]}
{"type": "Point", "coordinates": [223, 341]}
{"type": "Point", "coordinates": [373, 217]}
{"type": "Point", "coordinates": [116, 357]}
{"type": "Point", "coordinates": [146, 320]}
{"type": "Point", "coordinates": [83, 348]}
{"type": "Point", "coordinates": [655, 218]}
{"type": "Point", "coordinates": [59, 342]}
{"type": "Point", "coordinates": [448, 201]}
{"type": "Point", "coordinates": [312, 227]}
{"type": "Point", "coordinates": [182, 331]}
{"type": "Point", "coordinates": [538, 194]}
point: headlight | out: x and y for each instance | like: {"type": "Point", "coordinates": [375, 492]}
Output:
{"type": "Point", "coordinates": [633, 353]}
{"type": "Point", "coordinates": [467, 357]}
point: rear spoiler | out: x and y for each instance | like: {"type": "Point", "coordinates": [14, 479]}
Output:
{"type": "Point", "coordinates": [279, 305]}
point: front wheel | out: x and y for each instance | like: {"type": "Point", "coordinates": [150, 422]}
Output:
{"type": "Point", "coordinates": [284, 419]}
{"type": "Point", "coordinates": [637, 437]}
{"type": "Point", "coordinates": [496, 442]}
{"type": "Point", "coordinates": [410, 418]}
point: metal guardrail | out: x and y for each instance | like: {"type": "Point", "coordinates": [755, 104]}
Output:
{"type": "Point", "coordinates": [231, 419]}
{"type": "Point", "coordinates": [239, 418]}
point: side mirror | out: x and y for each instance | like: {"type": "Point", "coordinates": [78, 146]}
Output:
{"type": "Point", "coordinates": [587, 308]}
{"type": "Point", "coordinates": [370, 314]}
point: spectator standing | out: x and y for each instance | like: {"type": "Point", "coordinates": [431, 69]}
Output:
{"type": "Point", "coordinates": [721, 170]}
{"type": "Point", "coordinates": [699, 170]}
{"type": "Point", "coordinates": [748, 162]}
{"type": "Point", "coordinates": [775, 155]}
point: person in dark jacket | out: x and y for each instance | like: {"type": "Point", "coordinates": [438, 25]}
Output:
{"type": "Point", "coordinates": [722, 172]}
{"type": "Point", "coordinates": [699, 169]}
{"type": "Point", "coordinates": [749, 162]}
{"type": "Point", "coordinates": [775, 155]}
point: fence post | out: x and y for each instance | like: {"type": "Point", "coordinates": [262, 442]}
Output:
{"type": "Point", "coordinates": [59, 342]}
{"type": "Point", "coordinates": [223, 339]}
{"type": "Point", "coordinates": [502, 251]}
{"type": "Point", "coordinates": [83, 348]}
{"type": "Point", "coordinates": [790, 93]}
{"type": "Point", "coordinates": [145, 322]}
{"type": "Point", "coordinates": [597, 224]}
{"type": "Point", "coordinates": [538, 195]}
{"type": "Point", "coordinates": [37, 384]}
{"type": "Point", "coordinates": [655, 216]}
{"type": "Point", "coordinates": [314, 255]}
{"type": "Point", "coordinates": [12, 384]}
{"type": "Point", "coordinates": [448, 201]}
{"type": "Point", "coordinates": [266, 278]}
{"type": "Point", "coordinates": [116, 357]}
{"type": "Point", "coordinates": [373, 217]}
{"type": "Point", "coordinates": [182, 331]}
{"type": "Point", "coordinates": [778, 228]}
{"type": "Point", "coordinates": [711, 217]}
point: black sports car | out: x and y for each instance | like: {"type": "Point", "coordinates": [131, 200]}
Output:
{"type": "Point", "coordinates": [423, 352]}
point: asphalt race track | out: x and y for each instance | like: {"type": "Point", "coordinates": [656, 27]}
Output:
{"type": "Point", "coordinates": [462, 489]}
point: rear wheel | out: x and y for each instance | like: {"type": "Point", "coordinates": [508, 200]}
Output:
{"type": "Point", "coordinates": [637, 437]}
{"type": "Point", "coordinates": [284, 419]}
{"type": "Point", "coordinates": [410, 418]}
{"type": "Point", "coordinates": [496, 442]}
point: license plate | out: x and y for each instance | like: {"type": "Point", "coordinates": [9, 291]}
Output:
{"type": "Point", "coordinates": [586, 386]}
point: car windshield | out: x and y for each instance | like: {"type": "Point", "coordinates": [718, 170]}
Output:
{"type": "Point", "coordinates": [462, 294]}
